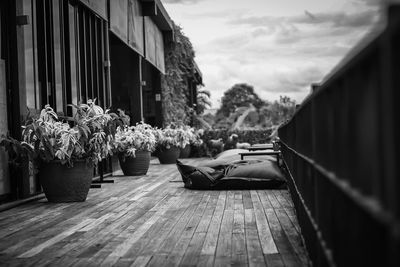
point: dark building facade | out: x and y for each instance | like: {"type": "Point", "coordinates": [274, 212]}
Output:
{"type": "Point", "coordinates": [59, 52]}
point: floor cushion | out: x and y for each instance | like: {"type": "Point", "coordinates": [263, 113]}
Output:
{"type": "Point", "coordinates": [245, 174]}
{"type": "Point", "coordinates": [231, 156]}
{"type": "Point", "coordinates": [255, 169]}
{"type": "Point", "coordinates": [198, 177]}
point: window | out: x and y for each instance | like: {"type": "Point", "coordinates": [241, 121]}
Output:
{"type": "Point", "coordinates": [58, 59]}
{"type": "Point", "coordinates": [92, 54]}
{"type": "Point", "coordinates": [30, 47]}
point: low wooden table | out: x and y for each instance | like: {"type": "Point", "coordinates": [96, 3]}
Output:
{"type": "Point", "coordinates": [261, 147]}
{"type": "Point", "coordinates": [261, 153]}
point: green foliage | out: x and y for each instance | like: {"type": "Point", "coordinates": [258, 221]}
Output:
{"type": "Point", "coordinates": [168, 137]}
{"type": "Point", "coordinates": [244, 136]}
{"type": "Point", "coordinates": [242, 108]}
{"type": "Point", "coordinates": [277, 112]}
{"type": "Point", "coordinates": [239, 95]}
{"type": "Point", "coordinates": [49, 138]}
{"type": "Point", "coordinates": [203, 100]}
{"type": "Point", "coordinates": [140, 137]}
{"type": "Point", "coordinates": [179, 65]}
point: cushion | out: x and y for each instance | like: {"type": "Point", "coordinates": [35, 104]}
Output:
{"type": "Point", "coordinates": [230, 156]}
{"type": "Point", "coordinates": [252, 174]}
{"type": "Point", "coordinates": [198, 177]}
{"type": "Point", "coordinates": [255, 169]}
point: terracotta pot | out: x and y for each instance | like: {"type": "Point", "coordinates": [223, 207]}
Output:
{"type": "Point", "coordinates": [134, 166]}
{"type": "Point", "coordinates": [65, 184]}
{"type": "Point", "coordinates": [169, 156]}
{"type": "Point", "coordinates": [185, 152]}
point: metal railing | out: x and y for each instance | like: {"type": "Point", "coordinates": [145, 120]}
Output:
{"type": "Point", "coordinates": [341, 150]}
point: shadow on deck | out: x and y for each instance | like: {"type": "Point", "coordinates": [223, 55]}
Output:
{"type": "Point", "coordinates": [152, 221]}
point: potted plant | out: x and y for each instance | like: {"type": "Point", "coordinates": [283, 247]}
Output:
{"type": "Point", "coordinates": [168, 145]}
{"type": "Point", "coordinates": [66, 154]}
{"type": "Point", "coordinates": [133, 146]}
{"type": "Point", "coordinates": [188, 136]}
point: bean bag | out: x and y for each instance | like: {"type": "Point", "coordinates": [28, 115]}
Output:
{"type": "Point", "coordinates": [252, 174]}
{"type": "Point", "coordinates": [230, 156]}
{"type": "Point", "coordinates": [255, 169]}
{"type": "Point", "coordinates": [198, 177]}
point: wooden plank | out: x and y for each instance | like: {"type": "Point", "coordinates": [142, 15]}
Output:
{"type": "Point", "coordinates": [142, 261]}
{"type": "Point", "coordinates": [239, 253]}
{"type": "Point", "coordinates": [293, 237]}
{"type": "Point", "coordinates": [274, 202]}
{"type": "Point", "coordinates": [32, 252]}
{"type": "Point", "coordinates": [253, 245]}
{"type": "Point", "coordinates": [208, 214]}
{"type": "Point", "coordinates": [193, 250]}
{"type": "Point", "coordinates": [119, 221]}
{"type": "Point", "coordinates": [177, 253]}
{"type": "Point", "coordinates": [288, 207]}
{"type": "Point", "coordinates": [210, 243]}
{"type": "Point", "coordinates": [267, 242]}
{"type": "Point", "coordinates": [286, 255]}
{"type": "Point", "coordinates": [167, 227]}
{"type": "Point", "coordinates": [247, 202]}
{"type": "Point", "coordinates": [230, 200]}
{"type": "Point", "coordinates": [124, 246]}
{"type": "Point", "coordinates": [148, 221]}
{"type": "Point", "coordinates": [224, 245]}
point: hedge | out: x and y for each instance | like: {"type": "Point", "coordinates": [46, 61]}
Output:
{"type": "Point", "coordinates": [244, 136]}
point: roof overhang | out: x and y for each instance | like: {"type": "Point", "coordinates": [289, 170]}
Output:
{"type": "Point", "coordinates": [156, 10]}
{"type": "Point", "coordinates": [197, 73]}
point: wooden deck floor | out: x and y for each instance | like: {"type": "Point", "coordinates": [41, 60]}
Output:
{"type": "Point", "coordinates": [151, 221]}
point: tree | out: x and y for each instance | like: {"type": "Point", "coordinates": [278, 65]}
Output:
{"type": "Point", "coordinates": [203, 100]}
{"type": "Point", "coordinates": [239, 95]}
{"type": "Point", "coordinates": [278, 111]}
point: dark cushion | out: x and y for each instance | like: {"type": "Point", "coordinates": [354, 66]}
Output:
{"type": "Point", "coordinates": [198, 177]}
{"type": "Point", "coordinates": [253, 174]}
{"type": "Point", "coordinates": [232, 156]}
{"type": "Point", "coordinates": [255, 169]}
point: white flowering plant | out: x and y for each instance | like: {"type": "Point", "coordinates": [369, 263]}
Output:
{"type": "Point", "coordinates": [188, 136]}
{"type": "Point", "coordinates": [140, 137]}
{"type": "Point", "coordinates": [167, 138]}
{"type": "Point", "coordinates": [196, 137]}
{"type": "Point", "coordinates": [50, 138]}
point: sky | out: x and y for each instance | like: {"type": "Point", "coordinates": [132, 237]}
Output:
{"type": "Point", "coordinates": [278, 46]}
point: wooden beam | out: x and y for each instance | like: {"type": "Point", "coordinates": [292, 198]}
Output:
{"type": "Point", "coordinates": [149, 8]}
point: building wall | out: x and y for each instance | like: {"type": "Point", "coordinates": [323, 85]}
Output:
{"type": "Point", "coordinates": [61, 55]}
{"type": "Point", "coordinates": [4, 172]}
{"type": "Point", "coordinates": [126, 79]}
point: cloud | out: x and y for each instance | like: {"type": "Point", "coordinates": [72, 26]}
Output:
{"type": "Point", "coordinates": [332, 19]}
{"type": "Point", "coordinates": [371, 3]}
{"type": "Point", "coordinates": [181, 1]}
{"type": "Point", "coordinates": [278, 54]}
{"type": "Point", "coordinates": [339, 19]}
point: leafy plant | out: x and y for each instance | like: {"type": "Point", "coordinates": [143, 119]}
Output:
{"type": "Point", "coordinates": [96, 129]}
{"type": "Point", "coordinates": [48, 138]}
{"type": "Point", "coordinates": [180, 68]}
{"type": "Point", "coordinates": [168, 137]}
{"type": "Point", "coordinates": [128, 140]}
{"type": "Point", "coordinates": [188, 136]}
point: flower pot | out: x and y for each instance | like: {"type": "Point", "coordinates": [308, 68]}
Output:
{"type": "Point", "coordinates": [185, 152]}
{"type": "Point", "coordinates": [169, 156]}
{"type": "Point", "coordinates": [65, 184]}
{"type": "Point", "coordinates": [135, 166]}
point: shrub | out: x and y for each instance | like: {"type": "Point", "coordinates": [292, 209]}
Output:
{"type": "Point", "coordinates": [248, 136]}
{"type": "Point", "coordinates": [128, 140]}
{"type": "Point", "coordinates": [48, 138]}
